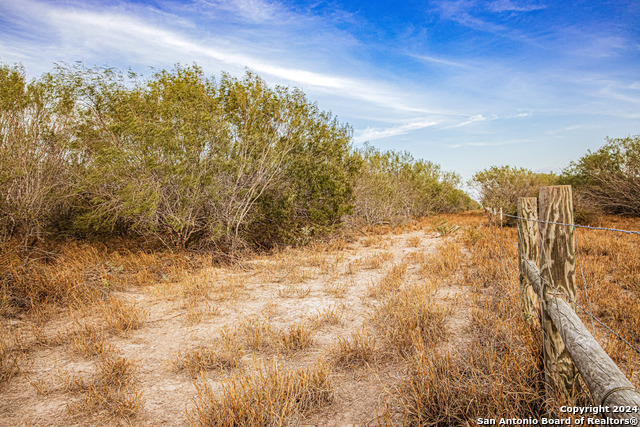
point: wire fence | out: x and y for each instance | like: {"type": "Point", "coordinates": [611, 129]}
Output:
{"type": "Point", "coordinates": [557, 291]}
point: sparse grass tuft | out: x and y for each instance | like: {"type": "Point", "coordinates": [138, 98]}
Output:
{"type": "Point", "coordinates": [225, 353]}
{"type": "Point", "coordinates": [328, 316]}
{"type": "Point", "coordinates": [414, 242]}
{"type": "Point", "coordinates": [121, 318]}
{"type": "Point", "coordinates": [390, 282]}
{"type": "Point", "coordinates": [88, 340]}
{"type": "Point", "coordinates": [375, 261]}
{"type": "Point", "coordinates": [411, 311]}
{"type": "Point", "coordinates": [445, 262]}
{"type": "Point", "coordinates": [295, 337]}
{"type": "Point", "coordinates": [257, 333]}
{"type": "Point", "coordinates": [8, 361]}
{"type": "Point", "coordinates": [269, 396]}
{"type": "Point", "coordinates": [260, 334]}
{"type": "Point", "coordinates": [112, 388]}
{"type": "Point", "coordinates": [337, 289]}
{"type": "Point", "coordinates": [359, 349]}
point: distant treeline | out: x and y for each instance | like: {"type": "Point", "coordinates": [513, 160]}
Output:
{"type": "Point", "coordinates": [604, 181]}
{"type": "Point", "coordinates": [193, 162]}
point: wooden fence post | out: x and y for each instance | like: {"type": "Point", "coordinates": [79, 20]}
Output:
{"type": "Point", "coordinates": [557, 268]}
{"type": "Point", "coordinates": [528, 249]}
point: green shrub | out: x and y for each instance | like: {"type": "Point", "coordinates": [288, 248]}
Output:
{"type": "Point", "coordinates": [177, 156]}
{"type": "Point", "coordinates": [500, 186]}
{"type": "Point", "coordinates": [394, 186]}
{"type": "Point", "coordinates": [609, 178]}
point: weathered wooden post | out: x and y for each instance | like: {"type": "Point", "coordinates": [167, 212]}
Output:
{"type": "Point", "coordinates": [557, 268]}
{"type": "Point", "coordinates": [528, 249]}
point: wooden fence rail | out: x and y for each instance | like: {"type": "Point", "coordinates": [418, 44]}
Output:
{"type": "Point", "coordinates": [568, 346]}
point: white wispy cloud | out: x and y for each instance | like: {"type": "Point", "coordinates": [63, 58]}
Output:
{"type": "Point", "coordinates": [83, 32]}
{"type": "Point", "coordinates": [441, 61]}
{"type": "Point", "coordinates": [486, 144]}
{"type": "Point", "coordinates": [372, 134]}
{"type": "Point", "coordinates": [514, 6]}
{"type": "Point", "coordinates": [474, 119]}
{"type": "Point", "coordinates": [252, 10]}
{"type": "Point", "coordinates": [563, 130]}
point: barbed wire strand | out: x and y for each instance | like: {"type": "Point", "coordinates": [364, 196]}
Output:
{"type": "Point", "coordinates": [506, 255]}
{"type": "Point", "coordinates": [567, 297]}
{"type": "Point", "coordinates": [584, 282]}
{"type": "Point", "coordinates": [576, 225]}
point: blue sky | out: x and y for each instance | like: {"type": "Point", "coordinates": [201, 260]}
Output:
{"type": "Point", "coordinates": [467, 84]}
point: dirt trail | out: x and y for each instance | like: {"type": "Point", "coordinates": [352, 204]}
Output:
{"type": "Point", "coordinates": [291, 287]}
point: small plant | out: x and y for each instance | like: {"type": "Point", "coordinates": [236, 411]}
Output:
{"type": "Point", "coordinates": [414, 242]}
{"type": "Point", "coordinates": [375, 261]}
{"type": "Point", "coordinates": [472, 235]}
{"type": "Point", "coordinates": [88, 340]}
{"type": "Point", "coordinates": [390, 282]}
{"type": "Point", "coordinates": [408, 313]}
{"type": "Point", "coordinates": [257, 333]}
{"type": "Point", "coordinates": [443, 228]}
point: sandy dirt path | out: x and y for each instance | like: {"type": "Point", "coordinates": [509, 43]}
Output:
{"type": "Point", "coordinates": [327, 287]}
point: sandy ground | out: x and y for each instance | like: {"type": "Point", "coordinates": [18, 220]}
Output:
{"type": "Point", "coordinates": [289, 287]}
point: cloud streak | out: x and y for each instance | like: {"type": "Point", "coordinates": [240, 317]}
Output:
{"type": "Point", "coordinates": [372, 134]}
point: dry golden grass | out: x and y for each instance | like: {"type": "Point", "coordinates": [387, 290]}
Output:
{"type": "Point", "coordinates": [260, 335]}
{"type": "Point", "coordinates": [357, 350]}
{"type": "Point", "coordinates": [268, 396]}
{"type": "Point", "coordinates": [291, 291]}
{"type": "Point", "coordinates": [257, 333]}
{"type": "Point", "coordinates": [121, 317]}
{"type": "Point", "coordinates": [295, 337]}
{"type": "Point", "coordinates": [337, 288]}
{"type": "Point", "coordinates": [414, 241]}
{"type": "Point", "coordinates": [329, 316]}
{"type": "Point", "coordinates": [461, 358]}
{"type": "Point", "coordinates": [445, 262]}
{"type": "Point", "coordinates": [411, 311]}
{"type": "Point", "coordinates": [496, 375]}
{"type": "Point", "coordinates": [376, 260]}
{"type": "Point", "coordinates": [111, 389]}
{"type": "Point", "coordinates": [417, 257]}
{"type": "Point", "coordinates": [71, 273]}
{"type": "Point", "coordinates": [225, 353]}
{"type": "Point", "coordinates": [8, 360]}
{"type": "Point", "coordinates": [375, 241]}
{"type": "Point", "coordinates": [390, 282]}
{"type": "Point", "coordinates": [87, 340]}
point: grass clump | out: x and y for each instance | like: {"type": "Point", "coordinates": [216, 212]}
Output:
{"type": "Point", "coordinates": [295, 337]}
{"type": "Point", "coordinates": [390, 282]}
{"type": "Point", "coordinates": [269, 396]}
{"type": "Point", "coordinates": [357, 350]}
{"type": "Point", "coordinates": [8, 361]}
{"type": "Point", "coordinates": [122, 318]}
{"type": "Point", "coordinates": [411, 311]}
{"type": "Point", "coordinates": [224, 354]}
{"type": "Point", "coordinates": [112, 389]}
{"type": "Point", "coordinates": [260, 334]}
